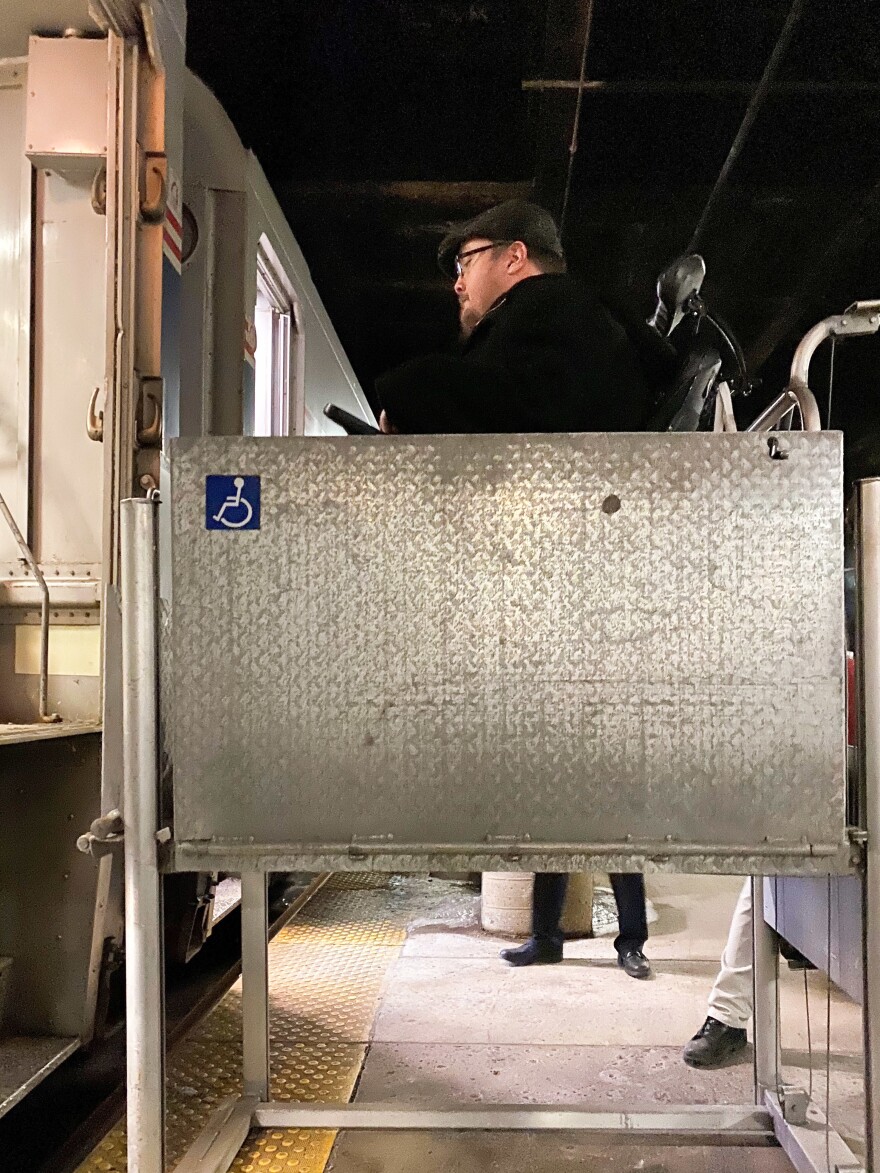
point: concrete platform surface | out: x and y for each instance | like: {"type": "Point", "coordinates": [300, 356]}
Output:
{"type": "Point", "coordinates": [579, 1003]}
{"type": "Point", "coordinates": [455, 1025]}
{"type": "Point", "coordinates": [414, 1074]}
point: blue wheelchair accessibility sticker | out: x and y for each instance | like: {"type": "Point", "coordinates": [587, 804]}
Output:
{"type": "Point", "coordinates": [232, 502]}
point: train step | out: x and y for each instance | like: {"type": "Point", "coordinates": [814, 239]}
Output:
{"type": "Point", "coordinates": [16, 734]}
{"type": "Point", "coordinates": [26, 1060]}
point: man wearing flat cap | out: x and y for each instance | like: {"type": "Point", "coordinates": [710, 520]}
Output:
{"type": "Point", "coordinates": [538, 354]}
{"type": "Point", "coordinates": [542, 355]}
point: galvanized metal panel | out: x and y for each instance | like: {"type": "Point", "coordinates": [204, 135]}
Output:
{"type": "Point", "coordinates": [442, 638]}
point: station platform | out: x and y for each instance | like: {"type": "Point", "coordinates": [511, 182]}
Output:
{"type": "Point", "coordinates": [384, 988]}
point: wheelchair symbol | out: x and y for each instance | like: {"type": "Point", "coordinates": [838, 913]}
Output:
{"type": "Point", "coordinates": [233, 503]}
{"type": "Point", "coordinates": [236, 502]}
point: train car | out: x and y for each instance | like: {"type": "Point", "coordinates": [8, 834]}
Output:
{"type": "Point", "coordinates": [149, 288]}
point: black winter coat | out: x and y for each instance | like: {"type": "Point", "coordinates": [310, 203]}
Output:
{"type": "Point", "coordinates": [547, 357]}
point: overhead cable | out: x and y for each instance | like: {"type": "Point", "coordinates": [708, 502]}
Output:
{"type": "Point", "coordinates": [752, 110]}
{"type": "Point", "coordinates": [573, 145]}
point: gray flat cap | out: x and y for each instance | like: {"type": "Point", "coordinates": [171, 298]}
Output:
{"type": "Point", "coordinates": [512, 220]}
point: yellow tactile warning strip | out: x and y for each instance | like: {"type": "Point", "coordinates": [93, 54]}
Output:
{"type": "Point", "coordinates": [325, 974]}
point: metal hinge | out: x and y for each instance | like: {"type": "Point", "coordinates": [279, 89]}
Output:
{"type": "Point", "coordinates": [857, 835]}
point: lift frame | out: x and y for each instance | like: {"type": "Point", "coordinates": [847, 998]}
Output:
{"type": "Point", "coordinates": [777, 1115]}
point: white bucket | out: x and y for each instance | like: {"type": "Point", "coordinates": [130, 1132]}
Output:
{"type": "Point", "coordinates": [506, 904]}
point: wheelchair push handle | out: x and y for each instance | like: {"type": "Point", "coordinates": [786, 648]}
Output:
{"type": "Point", "coordinates": [353, 424]}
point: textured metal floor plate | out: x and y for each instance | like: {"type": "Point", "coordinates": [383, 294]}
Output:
{"type": "Point", "coordinates": [325, 973]}
{"type": "Point", "coordinates": [534, 680]}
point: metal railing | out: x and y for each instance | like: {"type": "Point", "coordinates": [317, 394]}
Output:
{"type": "Point", "coordinates": [862, 318]}
{"type": "Point", "coordinates": [28, 557]}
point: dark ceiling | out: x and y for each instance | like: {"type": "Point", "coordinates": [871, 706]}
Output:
{"type": "Point", "coordinates": [379, 121]}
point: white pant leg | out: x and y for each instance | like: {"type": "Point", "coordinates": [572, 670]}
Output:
{"type": "Point", "coordinates": [731, 998]}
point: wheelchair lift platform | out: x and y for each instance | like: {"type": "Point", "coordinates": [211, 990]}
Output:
{"type": "Point", "coordinates": [617, 652]}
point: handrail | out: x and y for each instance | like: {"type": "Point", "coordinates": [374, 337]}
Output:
{"type": "Point", "coordinates": [31, 561]}
{"type": "Point", "coordinates": [861, 319]}
{"type": "Point", "coordinates": [796, 394]}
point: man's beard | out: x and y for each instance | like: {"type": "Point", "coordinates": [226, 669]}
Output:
{"type": "Point", "coordinates": [467, 320]}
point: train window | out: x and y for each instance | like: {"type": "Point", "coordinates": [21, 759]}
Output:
{"type": "Point", "coordinates": [276, 353]}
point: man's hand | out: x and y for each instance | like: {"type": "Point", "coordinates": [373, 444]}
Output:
{"type": "Point", "coordinates": [386, 426]}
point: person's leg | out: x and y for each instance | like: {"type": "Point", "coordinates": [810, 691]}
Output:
{"type": "Point", "coordinates": [545, 944]}
{"type": "Point", "coordinates": [547, 901]}
{"type": "Point", "coordinates": [731, 999]}
{"type": "Point", "coordinates": [632, 918]}
{"type": "Point", "coordinates": [632, 923]}
{"type": "Point", "coordinates": [723, 1034]}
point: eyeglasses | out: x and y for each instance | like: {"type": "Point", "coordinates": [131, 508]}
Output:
{"type": "Point", "coordinates": [472, 252]}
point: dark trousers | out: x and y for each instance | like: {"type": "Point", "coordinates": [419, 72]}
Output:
{"type": "Point", "coordinates": [629, 894]}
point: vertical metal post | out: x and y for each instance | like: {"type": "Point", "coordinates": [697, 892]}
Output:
{"type": "Point", "coordinates": [144, 991]}
{"type": "Point", "coordinates": [868, 673]}
{"type": "Point", "coordinates": [255, 984]}
{"type": "Point", "coordinates": [765, 978]}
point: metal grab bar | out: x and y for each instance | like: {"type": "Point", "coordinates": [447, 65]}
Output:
{"type": "Point", "coordinates": [28, 557]}
{"type": "Point", "coordinates": [861, 319]}
{"type": "Point", "coordinates": [796, 394]}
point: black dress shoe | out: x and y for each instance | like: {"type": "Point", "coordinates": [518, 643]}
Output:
{"type": "Point", "coordinates": [635, 963]}
{"type": "Point", "coordinates": [714, 1044]}
{"type": "Point", "coordinates": [534, 952]}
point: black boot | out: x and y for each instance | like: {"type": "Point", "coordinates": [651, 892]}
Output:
{"type": "Point", "coordinates": [714, 1044]}
{"type": "Point", "coordinates": [536, 951]}
{"type": "Point", "coordinates": [635, 963]}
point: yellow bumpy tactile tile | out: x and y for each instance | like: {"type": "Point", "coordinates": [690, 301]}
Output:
{"type": "Point", "coordinates": [325, 973]}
